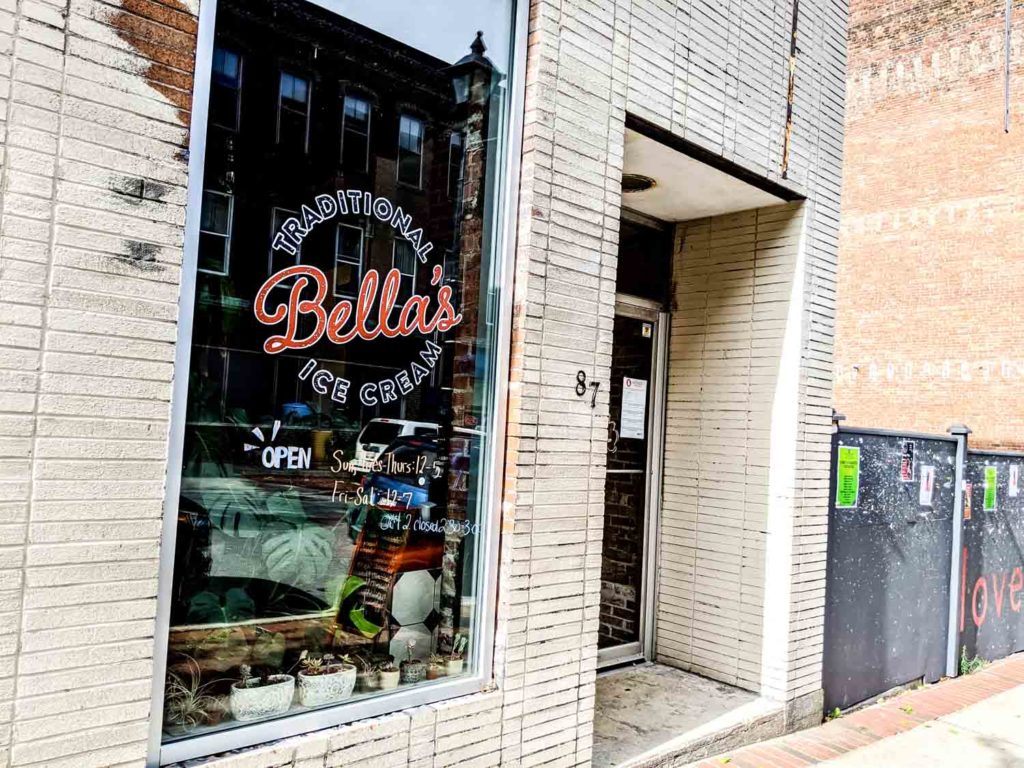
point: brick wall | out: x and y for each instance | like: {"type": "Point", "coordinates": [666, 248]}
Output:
{"type": "Point", "coordinates": [94, 98]}
{"type": "Point", "coordinates": [89, 277]}
{"type": "Point", "coordinates": [930, 285]}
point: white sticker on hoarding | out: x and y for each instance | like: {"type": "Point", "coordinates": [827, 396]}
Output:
{"type": "Point", "coordinates": [927, 488]}
{"type": "Point", "coordinates": [1014, 490]}
{"type": "Point", "coordinates": [633, 421]}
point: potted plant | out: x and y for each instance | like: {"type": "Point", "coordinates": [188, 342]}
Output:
{"type": "Point", "coordinates": [455, 658]}
{"type": "Point", "coordinates": [436, 667]}
{"type": "Point", "coordinates": [412, 669]}
{"type": "Point", "coordinates": [188, 702]}
{"type": "Point", "coordinates": [366, 674]}
{"type": "Point", "coordinates": [263, 695]}
{"type": "Point", "coordinates": [387, 676]}
{"type": "Point", "coordinates": [324, 679]}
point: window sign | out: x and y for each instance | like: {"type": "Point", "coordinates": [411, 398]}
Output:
{"type": "Point", "coordinates": [332, 519]}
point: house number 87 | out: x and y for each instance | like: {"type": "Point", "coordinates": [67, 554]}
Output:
{"type": "Point", "coordinates": [581, 387]}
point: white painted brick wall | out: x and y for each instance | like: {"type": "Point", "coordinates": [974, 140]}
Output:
{"type": "Point", "coordinates": [87, 333]}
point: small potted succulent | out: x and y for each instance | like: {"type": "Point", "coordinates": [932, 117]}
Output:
{"type": "Point", "coordinates": [436, 667]}
{"type": "Point", "coordinates": [387, 676]}
{"type": "Point", "coordinates": [412, 669]}
{"type": "Point", "coordinates": [455, 658]}
{"type": "Point", "coordinates": [262, 695]}
{"type": "Point", "coordinates": [366, 674]}
{"type": "Point", "coordinates": [324, 679]}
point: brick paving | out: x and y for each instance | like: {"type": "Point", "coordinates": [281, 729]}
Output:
{"type": "Point", "coordinates": [897, 714]}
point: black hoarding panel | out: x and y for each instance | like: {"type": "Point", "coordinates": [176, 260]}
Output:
{"type": "Point", "coordinates": [991, 599]}
{"type": "Point", "coordinates": [890, 535]}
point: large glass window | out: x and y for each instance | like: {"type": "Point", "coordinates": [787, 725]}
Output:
{"type": "Point", "coordinates": [332, 518]}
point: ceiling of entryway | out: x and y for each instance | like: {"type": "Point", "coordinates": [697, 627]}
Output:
{"type": "Point", "coordinates": [686, 188]}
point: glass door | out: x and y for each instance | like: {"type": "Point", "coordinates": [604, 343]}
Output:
{"type": "Point", "coordinates": [632, 482]}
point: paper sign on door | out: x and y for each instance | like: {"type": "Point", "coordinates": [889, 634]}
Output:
{"type": "Point", "coordinates": [927, 488]}
{"type": "Point", "coordinates": [633, 421]}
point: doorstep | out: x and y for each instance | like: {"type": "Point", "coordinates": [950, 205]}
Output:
{"type": "Point", "coordinates": [654, 715]}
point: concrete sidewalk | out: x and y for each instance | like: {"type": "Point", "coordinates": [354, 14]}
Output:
{"type": "Point", "coordinates": [976, 720]}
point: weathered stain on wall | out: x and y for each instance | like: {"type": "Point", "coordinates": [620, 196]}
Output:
{"type": "Point", "coordinates": [164, 33]}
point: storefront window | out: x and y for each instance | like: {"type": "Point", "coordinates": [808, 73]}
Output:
{"type": "Point", "coordinates": [332, 513]}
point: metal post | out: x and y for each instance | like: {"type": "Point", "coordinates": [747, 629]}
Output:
{"type": "Point", "coordinates": [960, 432]}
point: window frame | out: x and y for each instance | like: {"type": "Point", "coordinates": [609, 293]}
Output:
{"type": "Point", "coordinates": [238, 90]}
{"type": "Point", "coordinates": [227, 237]}
{"type": "Point", "coordinates": [398, 150]}
{"type": "Point", "coordinates": [282, 71]}
{"type": "Point", "coordinates": [479, 675]}
{"type": "Point", "coordinates": [369, 128]}
{"type": "Point", "coordinates": [361, 264]}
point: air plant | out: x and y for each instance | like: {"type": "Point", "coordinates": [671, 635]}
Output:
{"type": "Point", "coordinates": [188, 702]}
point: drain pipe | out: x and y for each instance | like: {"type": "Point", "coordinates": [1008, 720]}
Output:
{"type": "Point", "coordinates": [960, 432]}
{"type": "Point", "coordinates": [1007, 29]}
{"type": "Point", "coordinates": [791, 91]}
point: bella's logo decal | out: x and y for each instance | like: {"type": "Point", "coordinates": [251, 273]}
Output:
{"type": "Point", "coordinates": [278, 456]}
{"type": "Point", "coordinates": [373, 314]}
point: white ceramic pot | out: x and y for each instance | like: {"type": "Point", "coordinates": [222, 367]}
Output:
{"type": "Point", "coordinates": [388, 680]}
{"type": "Point", "coordinates": [253, 701]}
{"type": "Point", "coordinates": [337, 685]}
{"type": "Point", "coordinates": [366, 681]}
{"type": "Point", "coordinates": [453, 667]}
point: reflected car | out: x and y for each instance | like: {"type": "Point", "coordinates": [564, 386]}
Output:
{"type": "Point", "coordinates": [409, 470]}
{"type": "Point", "coordinates": [378, 434]}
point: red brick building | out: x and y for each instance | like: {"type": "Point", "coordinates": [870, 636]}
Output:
{"type": "Point", "coordinates": [931, 276]}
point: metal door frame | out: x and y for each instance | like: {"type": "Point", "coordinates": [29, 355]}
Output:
{"type": "Point", "coordinates": [652, 312]}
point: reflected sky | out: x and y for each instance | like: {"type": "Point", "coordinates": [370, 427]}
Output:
{"type": "Point", "coordinates": [442, 28]}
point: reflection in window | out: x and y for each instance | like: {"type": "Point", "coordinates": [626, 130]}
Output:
{"type": "Point", "coordinates": [331, 521]}
{"type": "Point", "coordinates": [215, 232]}
{"type": "Point", "coordinates": [455, 155]}
{"type": "Point", "coordinates": [404, 260]}
{"type": "Point", "coordinates": [348, 260]}
{"type": "Point", "coordinates": [280, 258]}
{"type": "Point", "coordinates": [293, 112]}
{"type": "Point", "coordinates": [410, 151]}
{"type": "Point", "coordinates": [225, 88]}
{"type": "Point", "coordinates": [355, 134]}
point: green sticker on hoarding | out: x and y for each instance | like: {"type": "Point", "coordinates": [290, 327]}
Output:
{"type": "Point", "coordinates": [991, 478]}
{"type": "Point", "coordinates": [847, 477]}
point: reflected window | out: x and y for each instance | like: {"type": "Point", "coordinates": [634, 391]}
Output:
{"type": "Point", "coordinates": [348, 260]}
{"type": "Point", "coordinates": [410, 151]}
{"type": "Point", "coordinates": [280, 258]}
{"type": "Point", "coordinates": [355, 134]}
{"type": "Point", "coordinates": [404, 260]}
{"type": "Point", "coordinates": [215, 232]}
{"type": "Point", "coordinates": [293, 112]}
{"type": "Point", "coordinates": [226, 88]}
